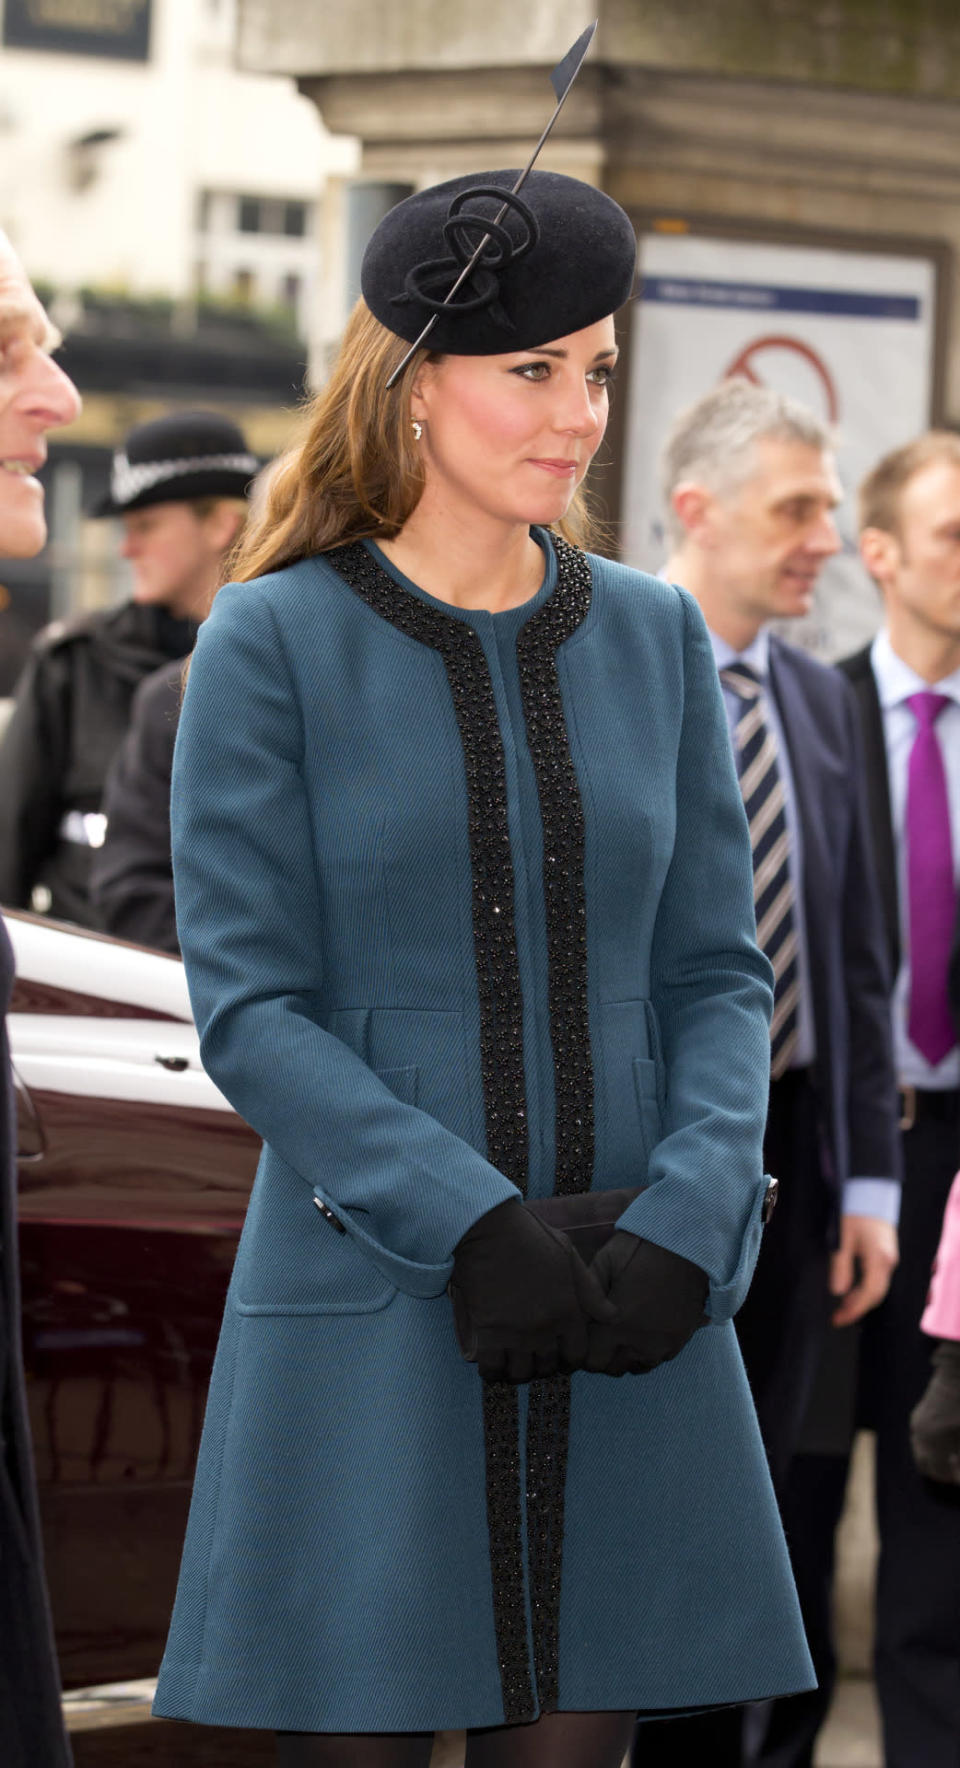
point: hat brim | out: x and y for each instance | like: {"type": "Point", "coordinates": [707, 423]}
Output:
{"type": "Point", "coordinates": [187, 488]}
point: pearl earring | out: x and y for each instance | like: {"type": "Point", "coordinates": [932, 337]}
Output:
{"type": "Point", "coordinates": [417, 430]}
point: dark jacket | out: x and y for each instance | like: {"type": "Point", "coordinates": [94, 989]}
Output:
{"type": "Point", "coordinates": [859, 671]}
{"type": "Point", "coordinates": [849, 969]}
{"type": "Point", "coordinates": [31, 1731]}
{"type": "Point", "coordinates": [71, 712]}
{"type": "Point", "coordinates": [131, 875]}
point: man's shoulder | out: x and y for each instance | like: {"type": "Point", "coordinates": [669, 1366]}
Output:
{"type": "Point", "coordinates": [62, 633]}
{"type": "Point", "coordinates": [161, 690]}
{"type": "Point", "coordinates": [83, 628]}
{"type": "Point", "coordinates": [858, 665]}
{"type": "Point", "coordinates": [829, 696]}
{"type": "Point", "coordinates": [817, 678]}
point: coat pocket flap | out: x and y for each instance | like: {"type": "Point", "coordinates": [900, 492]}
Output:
{"type": "Point", "coordinates": [403, 1083]}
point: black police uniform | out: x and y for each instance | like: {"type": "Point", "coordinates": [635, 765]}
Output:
{"type": "Point", "coordinates": [70, 715]}
{"type": "Point", "coordinates": [131, 876]}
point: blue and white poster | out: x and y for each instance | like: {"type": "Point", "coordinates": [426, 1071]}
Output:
{"type": "Point", "coordinates": [850, 334]}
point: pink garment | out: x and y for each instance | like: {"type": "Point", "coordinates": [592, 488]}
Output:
{"type": "Point", "coordinates": [941, 1316]}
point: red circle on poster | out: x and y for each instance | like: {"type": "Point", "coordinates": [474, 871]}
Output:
{"type": "Point", "coordinates": [744, 364]}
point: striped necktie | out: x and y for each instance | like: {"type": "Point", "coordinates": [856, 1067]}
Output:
{"type": "Point", "coordinates": [773, 896]}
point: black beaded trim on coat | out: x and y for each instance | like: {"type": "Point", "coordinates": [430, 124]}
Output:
{"type": "Point", "coordinates": [561, 813]}
{"type": "Point", "coordinates": [491, 859]}
{"type": "Point", "coordinates": [548, 1434]}
{"type": "Point", "coordinates": [501, 1053]}
{"type": "Point", "coordinates": [501, 1036]}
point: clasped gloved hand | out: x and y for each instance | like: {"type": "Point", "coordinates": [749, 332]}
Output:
{"type": "Point", "coordinates": [935, 1420]}
{"type": "Point", "coordinates": [523, 1300]}
{"type": "Point", "coordinates": [659, 1300]}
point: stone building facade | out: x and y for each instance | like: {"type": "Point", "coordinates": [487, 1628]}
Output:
{"type": "Point", "coordinates": [827, 123]}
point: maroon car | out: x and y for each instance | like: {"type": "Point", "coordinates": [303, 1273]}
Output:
{"type": "Point", "coordinates": [134, 1176]}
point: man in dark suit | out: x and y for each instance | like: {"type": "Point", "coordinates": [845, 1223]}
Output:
{"type": "Point", "coordinates": [131, 875]}
{"type": "Point", "coordinates": [907, 689]}
{"type": "Point", "coordinates": [35, 396]}
{"type": "Point", "coordinates": [750, 485]}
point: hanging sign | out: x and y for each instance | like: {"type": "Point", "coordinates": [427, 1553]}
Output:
{"type": "Point", "coordinates": [116, 29]}
{"type": "Point", "coordinates": [850, 334]}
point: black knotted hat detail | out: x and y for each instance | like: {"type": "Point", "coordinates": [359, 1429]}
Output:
{"type": "Point", "coordinates": [561, 256]}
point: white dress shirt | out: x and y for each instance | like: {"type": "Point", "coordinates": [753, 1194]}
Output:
{"type": "Point", "coordinates": [896, 681]}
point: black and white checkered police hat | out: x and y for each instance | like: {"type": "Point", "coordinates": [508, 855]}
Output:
{"type": "Point", "coordinates": [176, 459]}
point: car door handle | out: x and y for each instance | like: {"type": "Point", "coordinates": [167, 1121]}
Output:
{"type": "Point", "coordinates": [31, 1143]}
{"type": "Point", "coordinates": [176, 1064]}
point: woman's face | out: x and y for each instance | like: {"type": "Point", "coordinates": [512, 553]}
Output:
{"type": "Point", "coordinates": [512, 436]}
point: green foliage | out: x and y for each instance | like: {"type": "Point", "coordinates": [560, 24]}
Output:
{"type": "Point", "coordinates": [111, 307]}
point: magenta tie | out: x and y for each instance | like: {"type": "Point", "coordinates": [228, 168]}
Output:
{"type": "Point", "coordinates": [931, 889]}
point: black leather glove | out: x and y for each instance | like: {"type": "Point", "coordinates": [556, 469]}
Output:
{"type": "Point", "coordinates": [659, 1299]}
{"type": "Point", "coordinates": [522, 1298]}
{"type": "Point", "coordinates": [935, 1420]}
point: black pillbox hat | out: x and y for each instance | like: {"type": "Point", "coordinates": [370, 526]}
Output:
{"type": "Point", "coordinates": [562, 256]}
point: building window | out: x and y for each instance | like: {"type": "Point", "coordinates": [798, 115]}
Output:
{"type": "Point", "coordinates": [227, 212]}
{"type": "Point", "coordinates": [290, 289]}
{"type": "Point", "coordinates": [243, 286]}
{"type": "Point", "coordinates": [295, 219]}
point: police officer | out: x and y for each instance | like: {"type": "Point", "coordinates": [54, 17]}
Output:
{"type": "Point", "coordinates": [178, 484]}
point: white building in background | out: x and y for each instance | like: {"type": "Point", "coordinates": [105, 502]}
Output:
{"type": "Point", "coordinates": [136, 157]}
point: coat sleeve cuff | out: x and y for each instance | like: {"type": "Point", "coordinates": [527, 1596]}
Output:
{"type": "Point", "coordinates": [655, 1216]}
{"type": "Point", "coordinates": [412, 1276]}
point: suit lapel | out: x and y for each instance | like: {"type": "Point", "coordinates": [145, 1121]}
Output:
{"type": "Point", "coordinates": [802, 740]}
{"type": "Point", "coordinates": [859, 671]}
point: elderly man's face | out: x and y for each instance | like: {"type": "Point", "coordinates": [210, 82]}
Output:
{"type": "Point", "coordinates": [35, 396]}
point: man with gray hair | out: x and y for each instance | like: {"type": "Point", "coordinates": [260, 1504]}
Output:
{"type": "Point", "coordinates": [759, 467]}
{"type": "Point", "coordinates": [750, 487]}
{"type": "Point", "coordinates": [35, 397]}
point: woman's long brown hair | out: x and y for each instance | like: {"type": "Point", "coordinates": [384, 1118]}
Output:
{"type": "Point", "coordinates": [358, 471]}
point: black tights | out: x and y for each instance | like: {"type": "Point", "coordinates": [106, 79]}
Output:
{"type": "Point", "coordinates": [558, 1740]}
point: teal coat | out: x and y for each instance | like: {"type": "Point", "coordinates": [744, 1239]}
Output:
{"type": "Point", "coordinates": [466, 907]}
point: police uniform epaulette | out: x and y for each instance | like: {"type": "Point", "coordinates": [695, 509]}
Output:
{"type": "Point", "coordinates": [63, 632]}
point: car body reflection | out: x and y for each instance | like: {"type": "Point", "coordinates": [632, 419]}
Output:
{"type": "Point", "coordinates": [134, 1174]}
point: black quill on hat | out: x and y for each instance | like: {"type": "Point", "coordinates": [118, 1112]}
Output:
{"type": "Point", "coordinates": [517, 270]}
